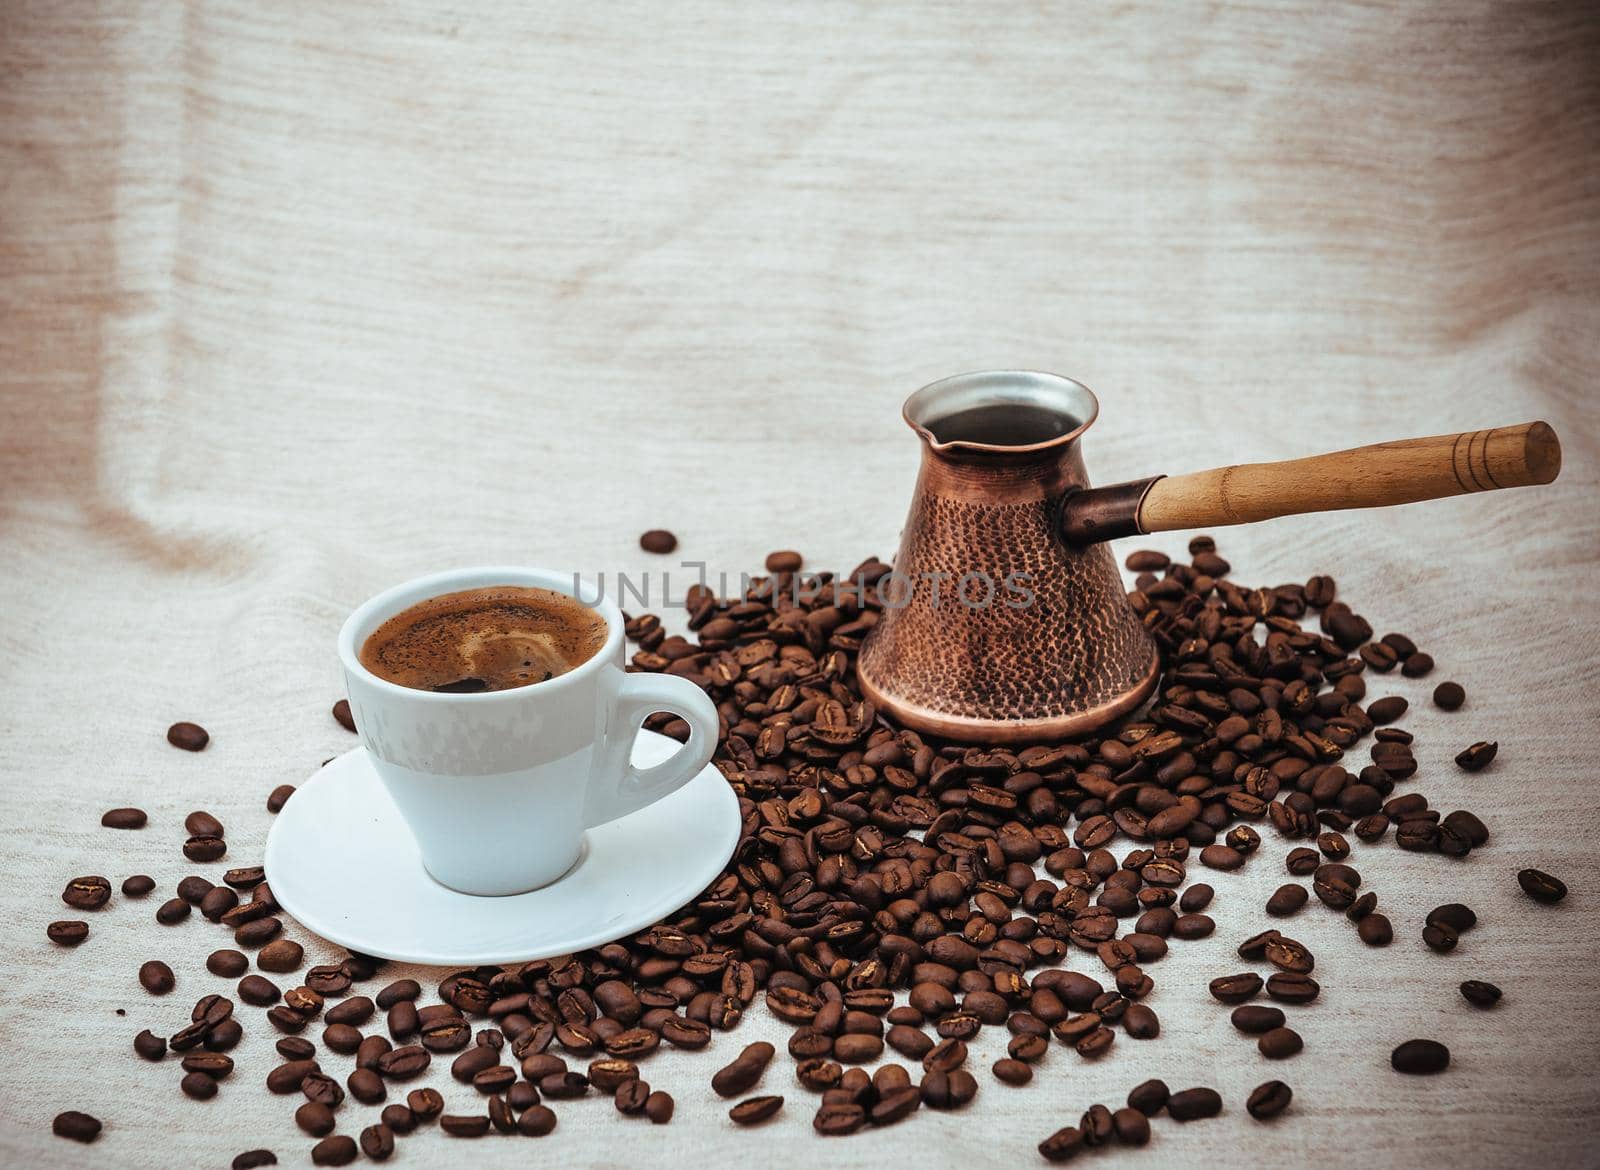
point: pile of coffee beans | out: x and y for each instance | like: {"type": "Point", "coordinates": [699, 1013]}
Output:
{"type": "Point", "coordinates": [889, 890]}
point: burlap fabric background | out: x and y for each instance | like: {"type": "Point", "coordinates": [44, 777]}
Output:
{"type": "Point", "coordinates": [300, 300]}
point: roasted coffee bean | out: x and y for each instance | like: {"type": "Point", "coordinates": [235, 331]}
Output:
{"type": "Point", "coordinates": [199, 1086]}
{"type": "Point", "coordinates": [1096, 1125]}
{"type": "Point", "coordinates": [1254, 1020]}
{"type": "Point", "coordinates": [1268, 1100]}
{"type": "Point", "coordinates": [1386, 710]}
{"type": "Point", "coordinates": [1449, 696]}
{"type": "Point", "coordinates": [76, 1126]}
{"type": "Point", "coordinates": [124, 818]}
{"type": "Point", "coordinates": [205, 848]}
{"type": "Point", "coordinates": [1540, 886]}
{"type": "Point", "coordinates": [295, 1048]}
{"type": "Point", "coordinates": [150, 1046]}
{"type": "Point", "coordinates": [279, 797]}
{"type": "Point", "coordinates": [1286, 899]}
{"type": "Point", "coordinates": [658, 540]}
{"type": "Point", "coordinates": [156, 977]}
{"type": "Point", "coordinates": [1236, 988]}
{"type": "Point", "coordinates": [1420, 1056]}
{"type": "Point", "coordinates": [172, 912]}
{"type": "Point", "coordinates": [315, 1119]}
{"type": "Point", "coordinates": [67, 933]}
{"type": "Point", "coordinates": [138, 885]}
{"type": "Point", "coordinates": [1439, 937]}
{"type": "Point", "coordinates": [191, 737]}
{"type": "Point", "coordinates": [1454, 915]}
{"type": "Point", "coordinates": [1287, 954]}
{"type": "Point", "coordinates": [425, 1104]}
{"type": "Point", "coordinates": [1149, 1097]}
{"type": "Point", "coordinates": [254, 934]}
{"type": "Point", "coordinates": [1477, 757]}
{"type": "Point", "coordinates": [404, 1062]}
{"type": "Point", "coordinates": [194, 888]}
{"type": "Point", "coordinates": [630, 1096]}
{"type": "Point", "coordinates": [1012, 1072]}
{"type": "Point", "coordinates": [87, 893]}
{"type": "Point", "coordinates": [304, 1001]}
{"type": "Point", "coordinates": [1194, 1104]}
{"type": "Point", "coordinates": [1288, 987]}
{"type": "Point", "coordinates": [253, 1160]}
{"type": "Point", "coordinates": [341, 712]}
{"type": "Point", "coordinates": [835, 1120]}
{"type": "Point", "coordinates": [399, 991]}
{"type": "Point", "coordinates": [257, 991]}
{"type": "Point", "coordinates": [217, 902]}
{"type": "Point", "coordinates": [1062, 1145]}
{"type": "Point", "coordinates": [1131, 1127]}
{"type": "Point", "coordinates": [338, 1150]}
{"type": "Point", "coordinates": [214, 1064]}
{"type": "Point", "coordinates": [1417, 665]}
{"type": "Point", "coordinates": [857, 1048]}
{"type": "Point", "coordinates": [682, 1033]}
{"type": "Point", "coordinates": [1480, 994]}
{"type": "Point", "coordinates": [658, 1107]}
{"type": "Point", "coordinates": [1375, 930]}
{"type": "Point", "coordinates": [289, 1076]}
{"type": "Point", "coordinates": [202, 824]}
{"type": "Point", "coordinates": [377, 1142]}
{"type": "Point", "coordinates": [948, 1090]}
{"type": "Point", "coordinates": [783, 561]}
{"type": "Point", "coordinates": [280, 955]}
{"type": "Point", "coordinates": [358, 1009]}
{"type": "Point", "coordinates": [399, 1118]}
{"type": "Point", "coordinates": [225, 1036]}
{"type": "Point", "coordinates": [371, 1050]}
{"type": "Point", "coordinates": [1196, 898]}
{"type": "Point", "coordinates": [1141, 1022]}
{"type": "Point", "coordinates": [744, 1073]}
{"type": "Point", "coordinates": [322, 1089]}
{"type": "Point", "coordinates": [1280, 1043]}
{"type": "Point", "coordinates": [366, 1086]}
{"type": "Point", "coordinates": [1189, 927]}
{"type": "Point", "coordinates": [464, 1125]}
{"type": "Point", "coordinates": [755, 1110]}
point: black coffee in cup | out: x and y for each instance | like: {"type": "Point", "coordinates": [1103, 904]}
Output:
{"type": "Point", "coordinates": [489, 639]}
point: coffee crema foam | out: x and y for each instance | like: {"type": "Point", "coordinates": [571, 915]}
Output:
{"type": "Point", "coordinates": [490, 639]}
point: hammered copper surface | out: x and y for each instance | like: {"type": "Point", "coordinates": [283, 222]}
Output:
{"type": "Point", "coordinates": [1072, 658]}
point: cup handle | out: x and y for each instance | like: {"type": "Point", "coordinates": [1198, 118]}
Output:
{"type": "Point", "coordinates": [620, 788]}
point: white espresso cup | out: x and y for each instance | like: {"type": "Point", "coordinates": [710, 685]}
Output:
{"type": "Point", "coordinates": [498, 787]}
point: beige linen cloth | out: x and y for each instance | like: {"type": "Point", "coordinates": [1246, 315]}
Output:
{"type": "Point", "coordinates": [300, 300]}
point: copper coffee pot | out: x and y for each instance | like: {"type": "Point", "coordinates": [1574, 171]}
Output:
{"type": "Point", "coordinates": [1005, 619]}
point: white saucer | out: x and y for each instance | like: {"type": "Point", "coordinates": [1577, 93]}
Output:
{"type": "Point", "coordinates": [342, 862]}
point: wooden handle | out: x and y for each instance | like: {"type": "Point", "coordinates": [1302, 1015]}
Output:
{"type": "Point", "coordinates": [1365, 477]}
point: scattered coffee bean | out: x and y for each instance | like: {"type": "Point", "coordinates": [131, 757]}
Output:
{"type": "Point", "coordinates": [744, 1073]}
{"type": "Point", "coordinates": [1480, 994]}
{"type": "Point", "coordinates": [227, 963]}
{"type": "Point", "coordinates": [1454, 915]}
{"type": "Point", "coordinates": [124, 818]}
{"type": "Point", "coordinates": [1280, 1043]}
{"type": "Point", "coordinates": [1449, 696]}
{"type": "Point", "coordinates": [1236, 988]}
{"type": "Point", "coordinates": [202, 824]}
{"type": "Point", "coordinates": [1540, 886]}
{"type": "Point", "coordinates": [1194, 1104]}
{"type": "Point", "coordinates": [150, 1046]}
{"type": "Point", "coordinates": [1196, 898]}
{"type": "Point", "coordinates": [341, 712]}
{"type": "Point", "coordinates": [1254, 1019]}
{"type": "Point", "coordinates": [754, 1110]}
{"type": "Point", "coordinates": [338, 1150]}
{"type": "Point", "coordinates": [1149, 1097]}
{"type": "Point", "coordinates": [87, 893]}
{"type": "Point", "coordinates": [1439, 937]}
{"type": "Point", "coordinates": [191, 737]}
{"type": "Point", "coordinates": [1012, 1072]}
{"type": "Point", "coordinates": [258, 991]}
{"type": "Point", "coordinates": [1420, 1057]}
{"type": "Point", "coordinates": [464, 1125]}
{"type": "Point", "coordinates": [156, 977]}
{"type": "Point", "coordinates": [1375, 930]}
{"type": "Point", "coordinates": [138, 885]}
{"type": "Point", "coordinates": [783, 561]}
{"type": "Point", "coordinates": [1287, 987]}
{"type": "Point", "coordinates": [658, 1107]}
{"type": "Point", "coordinates": [1386, 710]}
{"type": "Point", "coordinates": [1286, 900]}
{"type": "Point", "coordinates": [377, 1142]}
{"type": "Point", "coordinates": [425, 1104]}
{"type": "Point", "coordinates": [254, 1159]}
{"type": "Point", "coordinates": [280, 955]}
{"type": "Point", "coordinates": [658, 541]}
{"type": "Point", "coordinates": [199, 1086]}
{"type": "Point", "coordinates": [1268, 1100]}
{"type": "Point", "coordinates": [1477, 757]}
{"type": "Point", "coordinates": [67, 933]}
{"type": "Point", "coordinates": [279, 797]}
{"type": "Point", "coordinates": [205, 848]}
{"type": "Point", "coordinates": [75, 1126]}
{"type": "Point", "coordinates": [1062, 1145]}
